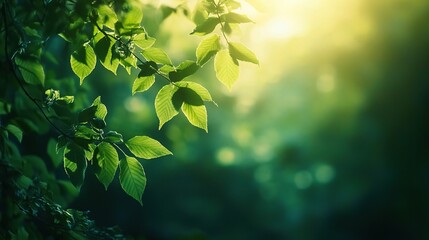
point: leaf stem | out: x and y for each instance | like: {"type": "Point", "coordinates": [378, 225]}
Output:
{"type": "Point", "coordinates": [222, 26]}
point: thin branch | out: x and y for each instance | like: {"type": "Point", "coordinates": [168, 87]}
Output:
{"type": "Point", "coordinates": [21, 84]}
{"type": "Point", "coordinates": [135, 55]}
{"type": "Point", "coordinates": [222, 26]}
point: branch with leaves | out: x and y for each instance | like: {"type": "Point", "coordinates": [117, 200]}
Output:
{"type": "Point", "coordinates": [112, 33]}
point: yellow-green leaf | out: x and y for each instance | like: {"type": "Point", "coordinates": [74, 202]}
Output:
{"type": "Point", "coordinates": [146, 147]}
{"type": "Point", "coordinates": [142, 84]}
{"type": "Point", "coordinates": [226, 68]}
{"type": "Point", "coordinates": [107, 161]}
{"type": "Point", "coordinates": [83, 61]}
{"type": "Point", "coordinates": [164, 107]}
{"type": "Point", "coordinates": [132, 177]}
{"type": "Point", "coordinates": [157, 55]}
{"type": "Point", "coordinates": [241, 52]}
{"type": "Point", "coordinates": [103, 49]}
{"type": "Point", "coordinates": [207, 49]}
{"type": "Point", "coordinates": [197, 88]}
{"type": "Point", "coordinates": [206, 27]}
{"type": "Point", "coordinates": [143, 41]}
{"type": "Point", "coordinates": [196, 115]}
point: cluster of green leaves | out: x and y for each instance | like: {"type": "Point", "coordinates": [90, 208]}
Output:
{"type": "Point", "coordinates": [90, 146]}
{"type": "Point", "coordinates": [221, 13]}
{"type": "Point", "coordinates": [111, 32]}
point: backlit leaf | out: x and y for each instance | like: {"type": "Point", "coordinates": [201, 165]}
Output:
{"type": "Point", "coordinates": [101, 111]}
{"type": "Point", "coordinates": [143, 41]}
{"type": "Point", "coordinates": [232, 17]}
{"type": "Point", "coordinates": [196, 115]}
{"type": "Point", "coordinates": [207, 48]}
{"type": "Point", "coordinates": [198, 89]}
{"type": "Point", "coordinates": [103, 49]}
{"type": "Point", "coordinates": [164, 107]}
{"type": "Point", "coordinates": [148, 68]}
{"type": "Point", "coordinates": [83, 61]}
{"type": "Point", "coordinates": [142, 84]}
{"type": "Point", "coordinates": [107, 161]}
{"type": "Point", "coordinates": [106, 16]}
{"type": "Point", "coordinates": [185, 69]}
{"type": "Point", "coordinates": [206, 27]}
{"type": "Point", "coordinates": [132, 177]}
{"type": "Point", "coordinates": [226, 68]}
{"type": "Point", "coordinates": [241, 52]}
{"type": "Point", "coordinates": [146, 147]}
{"type": "Point", "coordinates": [157, 55]}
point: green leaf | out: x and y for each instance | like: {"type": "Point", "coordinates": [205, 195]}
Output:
{"type": "Point", "coordinates": [185, 69]}
{"type": "Point", "coordinates": [85, 132]}
{"type": "Point", "coordinates": [198, 89]}
{"type": "Point", "coordinates": [232, 17]}
{"type": "Point", "coordinates": [142, 84]}
{"type": "Point", "coordinates": [83, 61]}
{"type": "Point", "coordinates": [132, 178]}
{"type": "Point", "coordinates": [132, 16]}
{"type": "Point", "coordinates": [232, 5]}
{"type": "Point", "coordinates": [148, 68]}
{"type": "Point", "coordinates": [226, 68]}
{"type": "Point", "coordinates": [196, 115]}
{"type": "Point", "coordinates": [107, 161]}
{"type": "Point", "coordinates": [98, 123]}
{"type": "Point", "coordinates": [164, 107]}
{"type": "Point", "coordinates": [66, 99]}
{"type": "Point", "coordinates": [15, 131]}
{"type": "Point", "coordinates": [207, 49]}
{"type": "Point", "coordinates": [143, 41]}
{"type": "Point", "coordinates": [113, 137]}
{"type": "Point", "coordinates": [241, 52]}
{"type": "Point", "coordinates": [166, 69]}
{"type": "Point", "coordinates": [188, 96]}
{"type": "Point", "coordinates": [31, 70]}
{"type": "Point", "coordinates": [157, 55]}
{"type": "Point", "coordinates": [104, 48]}
{"type": "Point", "coordinates": [146, 147]}
{"type": "Point", "coordinates": [128, 63]}
{"type": "Point", "coordinates": [106, 16]}
{"type": "Point", "coordinates": [75, 164]}
{"type": "Point", "coordinates": [87, 114]}
{"type": "Point", "coordinates": [4, 108]}
{"type": "Point", "coordinates": [206, 27]}
{"type": "Point", "coordinates": [101, 111]}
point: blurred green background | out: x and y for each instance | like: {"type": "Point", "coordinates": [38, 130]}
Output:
{"type": "Point", "coordinates": [326, 139]}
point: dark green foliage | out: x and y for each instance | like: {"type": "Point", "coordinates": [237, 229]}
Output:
{"type": "Point", "coordinates": [105, 31]}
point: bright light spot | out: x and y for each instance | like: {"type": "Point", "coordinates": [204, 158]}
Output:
{"type": "Point", "coordinates": [281, 28]}
{"type": "Point", "coordinates": [324, 174]}
{"type": "Point", "coordinates": [303, 179]}
{"type": "Point", "coordinates": [242, 135]}
{"type": "Point", "coordinates": [263, 174]}
{"type": "Point", "coordinates": [134, 104]}
{"type": "Point", "coordinates": [226, 156]}
{"type": "Point", "coordinates": [326, 83]}
{"type": "Point", "coordinates": [263, 152]}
